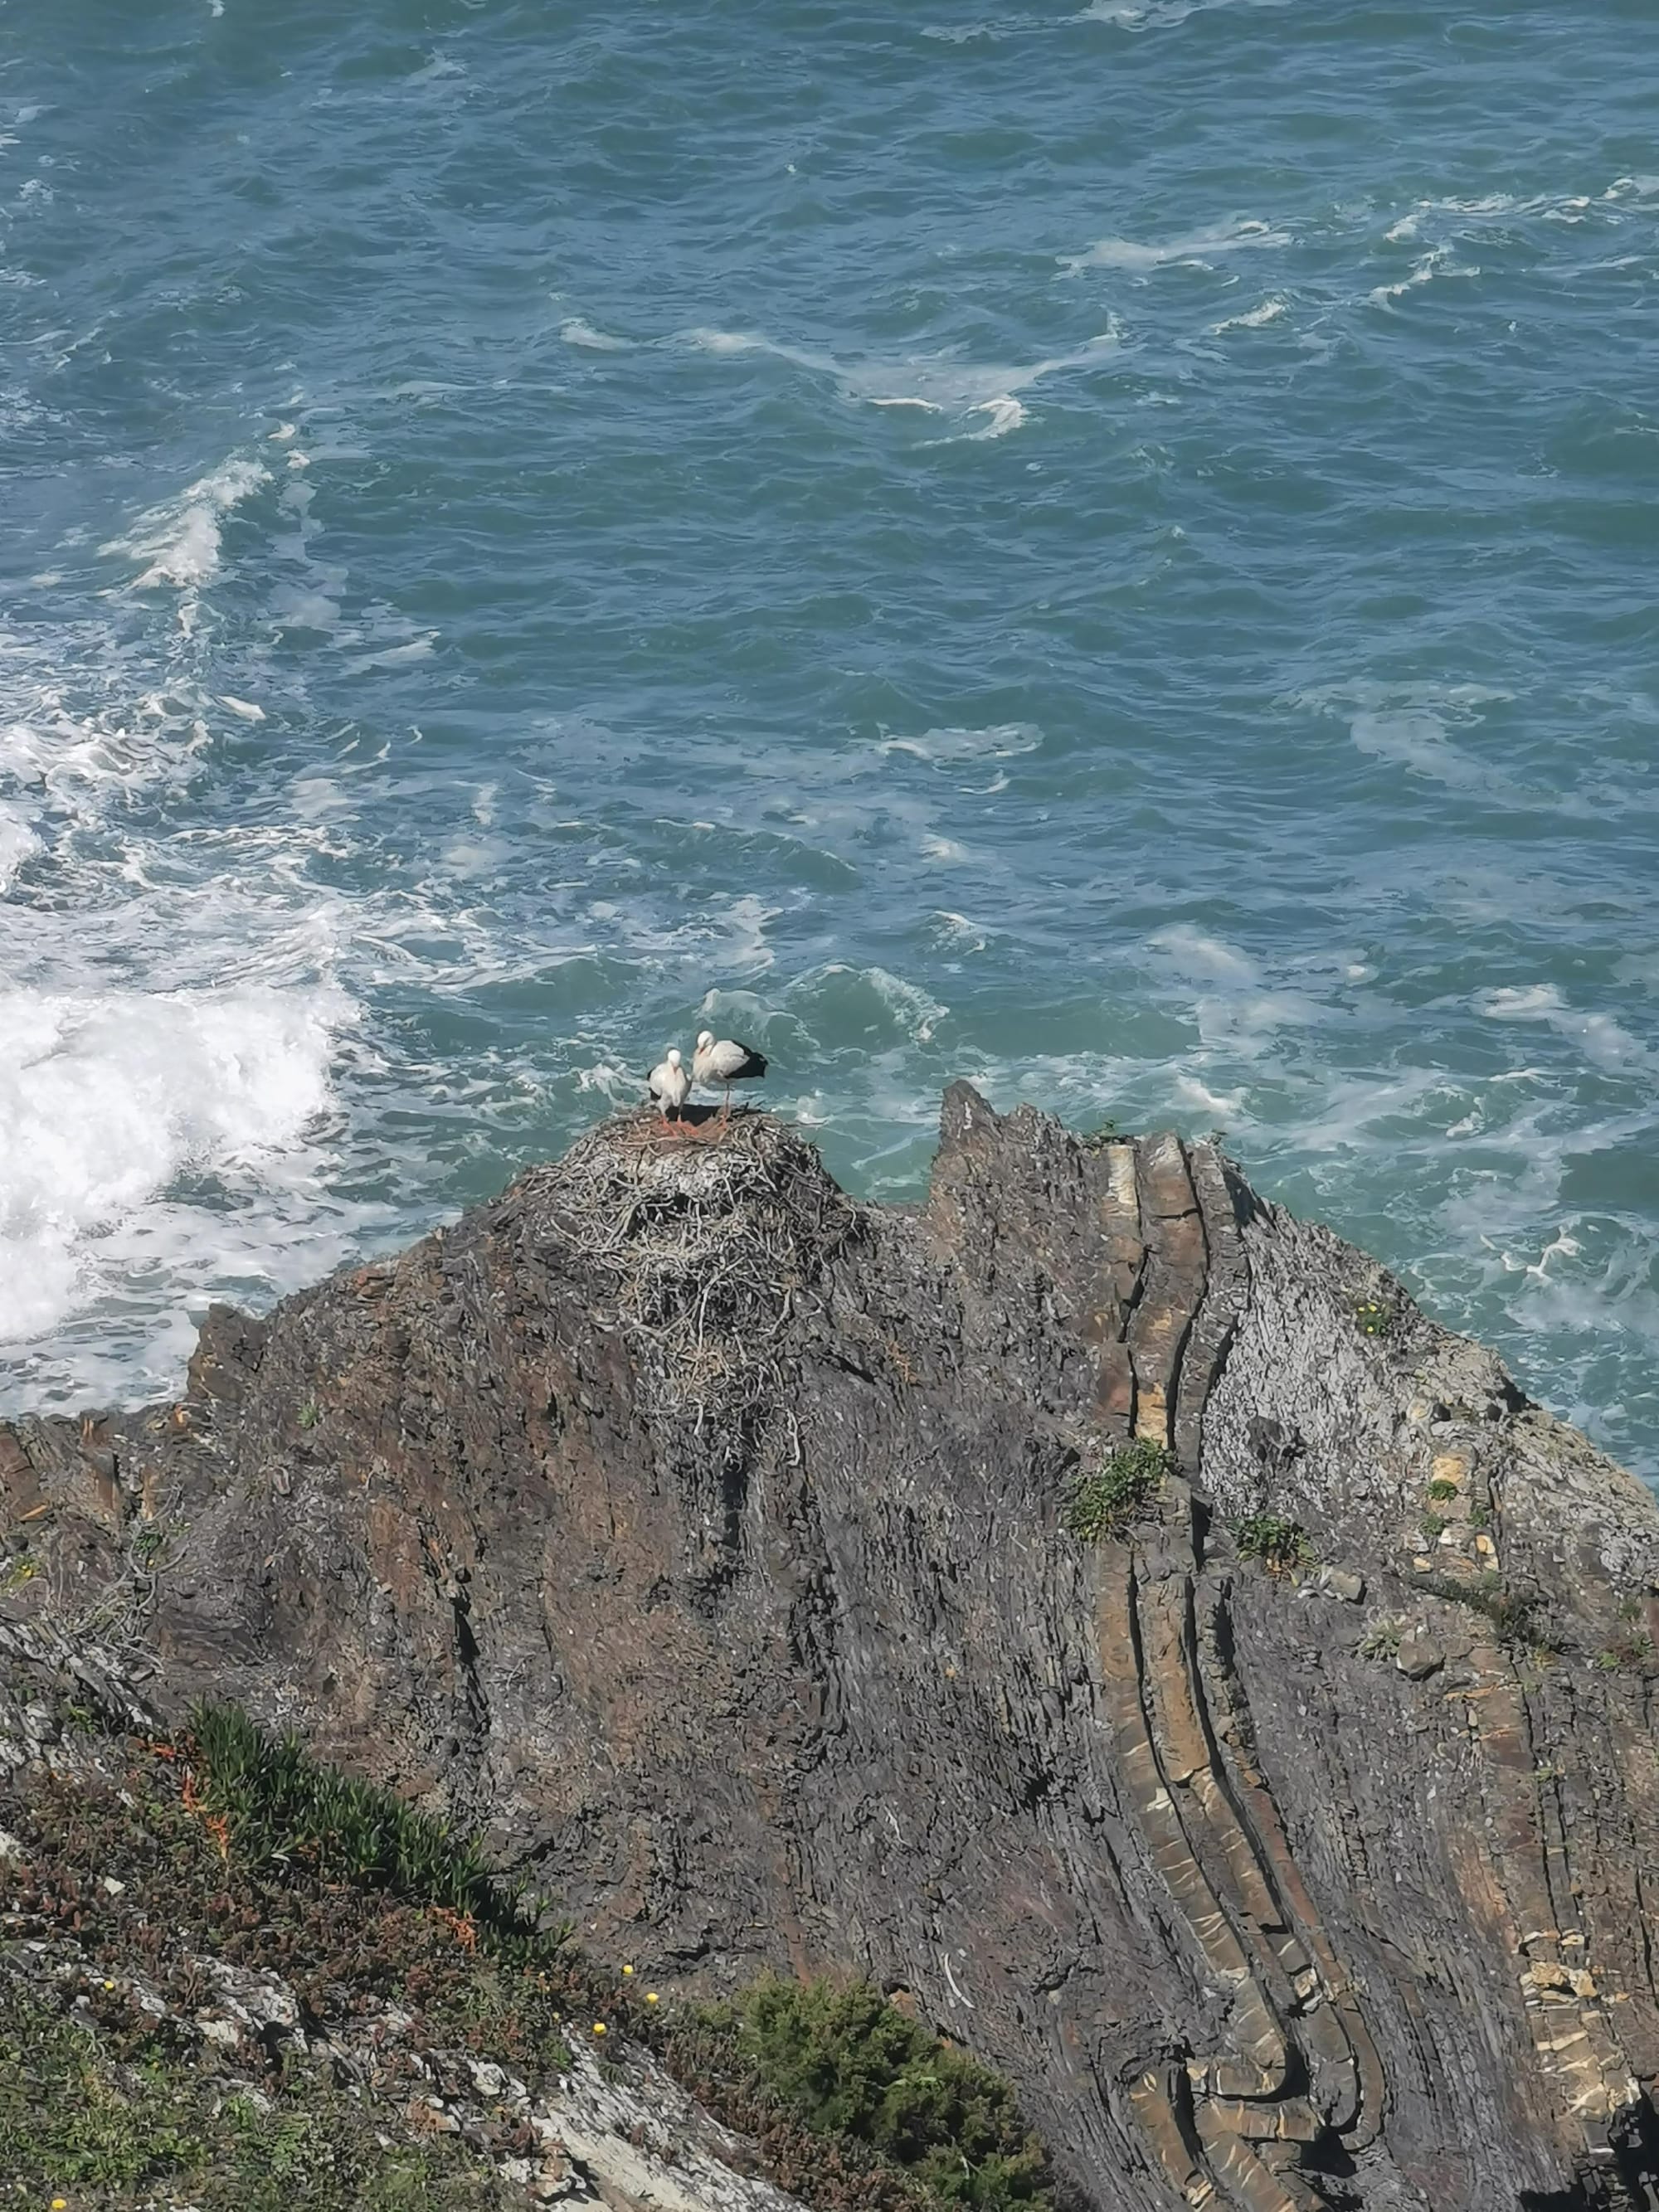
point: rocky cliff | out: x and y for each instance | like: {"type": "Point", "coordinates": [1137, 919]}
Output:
{"type": "Point", "coordinates": [1093, 1603]}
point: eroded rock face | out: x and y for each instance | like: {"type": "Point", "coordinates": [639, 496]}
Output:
{"type": "Point", "coordinates": [703, 1536]}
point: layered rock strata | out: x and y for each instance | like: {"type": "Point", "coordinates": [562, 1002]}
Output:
{"type": "Point", "coordinates": [705, 1536]}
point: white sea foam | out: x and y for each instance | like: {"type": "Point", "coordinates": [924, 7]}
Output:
{"type": "Point", "coordinates": [17, 843]}
{"type": "Point", "coordinates": [1196, 1093]}
{"type": "Point", "coordinates": [1159, 15]}
{"type": "Point", "coordinates": [107, 1099]}
{"type": "Point", "coordinates": [180, 542]}
{"type": "Point", "coordinates": [1199, 953]}
{"type": "Point", "coordinates": [1601, 1039]}
{"type": "Point", "coordinates": [740, 935]}
{"type": "Point", "coordinates": [171, 1015]}
{"type": "Point", "coordinates": [1005, 413]}
{"type": "Point", "coordinates": [934, 384]}
{"type": "Point", "coordinates": [1243, 234]}
{"type": "Point", "coordinates": [575, 331]}
{"type": "Point", "coordinates": [1255, 319]}
{"type": "Point", "coordinates": [838, 1000]}
{"type": "Point", "coordinates": [1438, 261]}
{"type": "Point", "coordinates": [954, 932]}
{"type": "Point", "coordinates": [1408, 725]}
{"type": "Point", "coordinates": [1001, 741]}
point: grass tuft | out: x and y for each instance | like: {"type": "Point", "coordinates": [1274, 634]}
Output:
{"type": "Point", "coordinates": [1106, 1499]}
{"type": "Point", "coordinates": [1515, 1614]}
{"type": "Point", "coordinates": [277, 1802]}
{"type": "Point", "coordinates": [1281, 1545]}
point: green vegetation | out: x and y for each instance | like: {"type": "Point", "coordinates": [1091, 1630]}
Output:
{"type": "Point", "coordinates": [1373, 1316]}
{"type": "Point", "coordinates": [1516, 1615]}
{"type": "Point", "coordinates": [1381, 1640]}
{"type": "Point", "coordinates": [75, 2120]}
{"type": "Point", "coordinates": [853, 2065]}
{"type": "Point", "coordinates": [1631, 1651]}
{"type": "Point", "coordinates": [229, 1847]}
{"type": "Point", "coordinates": [277, 1803]}
{"type": "Point", "coordinates": [1440, 1492]}
{"type": "Point", "coordinates": [1432, 1525]}
{"type": "Point", "coordinates": [1104, 1501]}
{"type": "Point", "coordinates": [1480, 1514]}
{"type": "Point", "coordinates": [1281, 1545]}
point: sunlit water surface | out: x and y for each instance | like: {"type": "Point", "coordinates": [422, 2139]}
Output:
{"type": "Point", "coordinates": [1106, 549]}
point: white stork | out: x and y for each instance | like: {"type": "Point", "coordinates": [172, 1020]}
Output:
{"type": "Point", "coordinates": [669, 1084]}
{"type": "Point", "coordinates": [725, 1061]}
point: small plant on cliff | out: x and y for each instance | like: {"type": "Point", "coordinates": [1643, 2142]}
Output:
{"type": "Point", "coordinates": [1514, 1615]}
{"type": "Point", "coordinates": [851, 2064]}
{"type": "Point", "coordinates": [1281, 1545]}
{"type": "Point", "coordinates": [1631, 1649]}
{"type": "Point", "coordinates": [1382, 1639]}
{"type": "Point", "coordinates": [1440, 1492]}
{"type": "Point", "coordinates": [1373, 1316]}
{"type": "Point", "coordinates": [1107, 1498]}
{"type": "Point", "coordinates": [1433, 1527]}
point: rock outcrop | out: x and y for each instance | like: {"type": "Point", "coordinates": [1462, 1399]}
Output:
{"type": "Point", "coordinates": [705, 1536]}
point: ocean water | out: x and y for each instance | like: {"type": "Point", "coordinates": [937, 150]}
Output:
{"type": "Point", "coordinates": [1108, 549]}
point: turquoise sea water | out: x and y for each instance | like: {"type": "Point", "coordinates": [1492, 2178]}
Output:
{"type": "Point", "coordinates": [1108, 549]}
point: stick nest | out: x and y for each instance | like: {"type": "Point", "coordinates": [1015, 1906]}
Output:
{"type": "Point", "coordinates": [699, 1237]}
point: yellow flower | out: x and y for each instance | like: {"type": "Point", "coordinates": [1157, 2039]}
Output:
{"type": "Point", "coordinates": [109, 1986]}
{"type": "Point", "coordinates": [651, 1997]}
{"type": "Point", "coordinates": [598, 2027]}
{"type": "Point", "coordinates": [60, 2204]}
{"type": "Point", "coordinates": [628, 1970]}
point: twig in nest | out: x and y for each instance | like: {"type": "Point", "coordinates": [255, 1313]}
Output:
{"type": "Point", "coordinates": [699, 1244]}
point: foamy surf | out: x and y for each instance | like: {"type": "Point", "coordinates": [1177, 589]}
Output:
{"type": "Point", "coordinates": [1255, 319]}
{"type": "Point", "coordinates": [575, 332]}
{"type": "Point", "coordinates": [108, 1100]}
{"type": "Point", "coordinates": [931, 383]}
{"type": "Point", "coordinates": [1245, 234]}
{"type": "Point", "coordinates": [181, 541]}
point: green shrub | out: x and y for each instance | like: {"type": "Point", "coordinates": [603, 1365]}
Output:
{"type": "Point", "coordinates": [1442, 1492]}
{"type": "Point", "coordinates": [1381, 1640]}
{"type": "Point", "coordinates": [1109, 1497]}
{"type": "Point", "coordinates": [1433, 1527]}
{"type": "Point", "coordinates": [1281, 1545]}
{"type": "Point", "coordinates": [851, 2064]}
